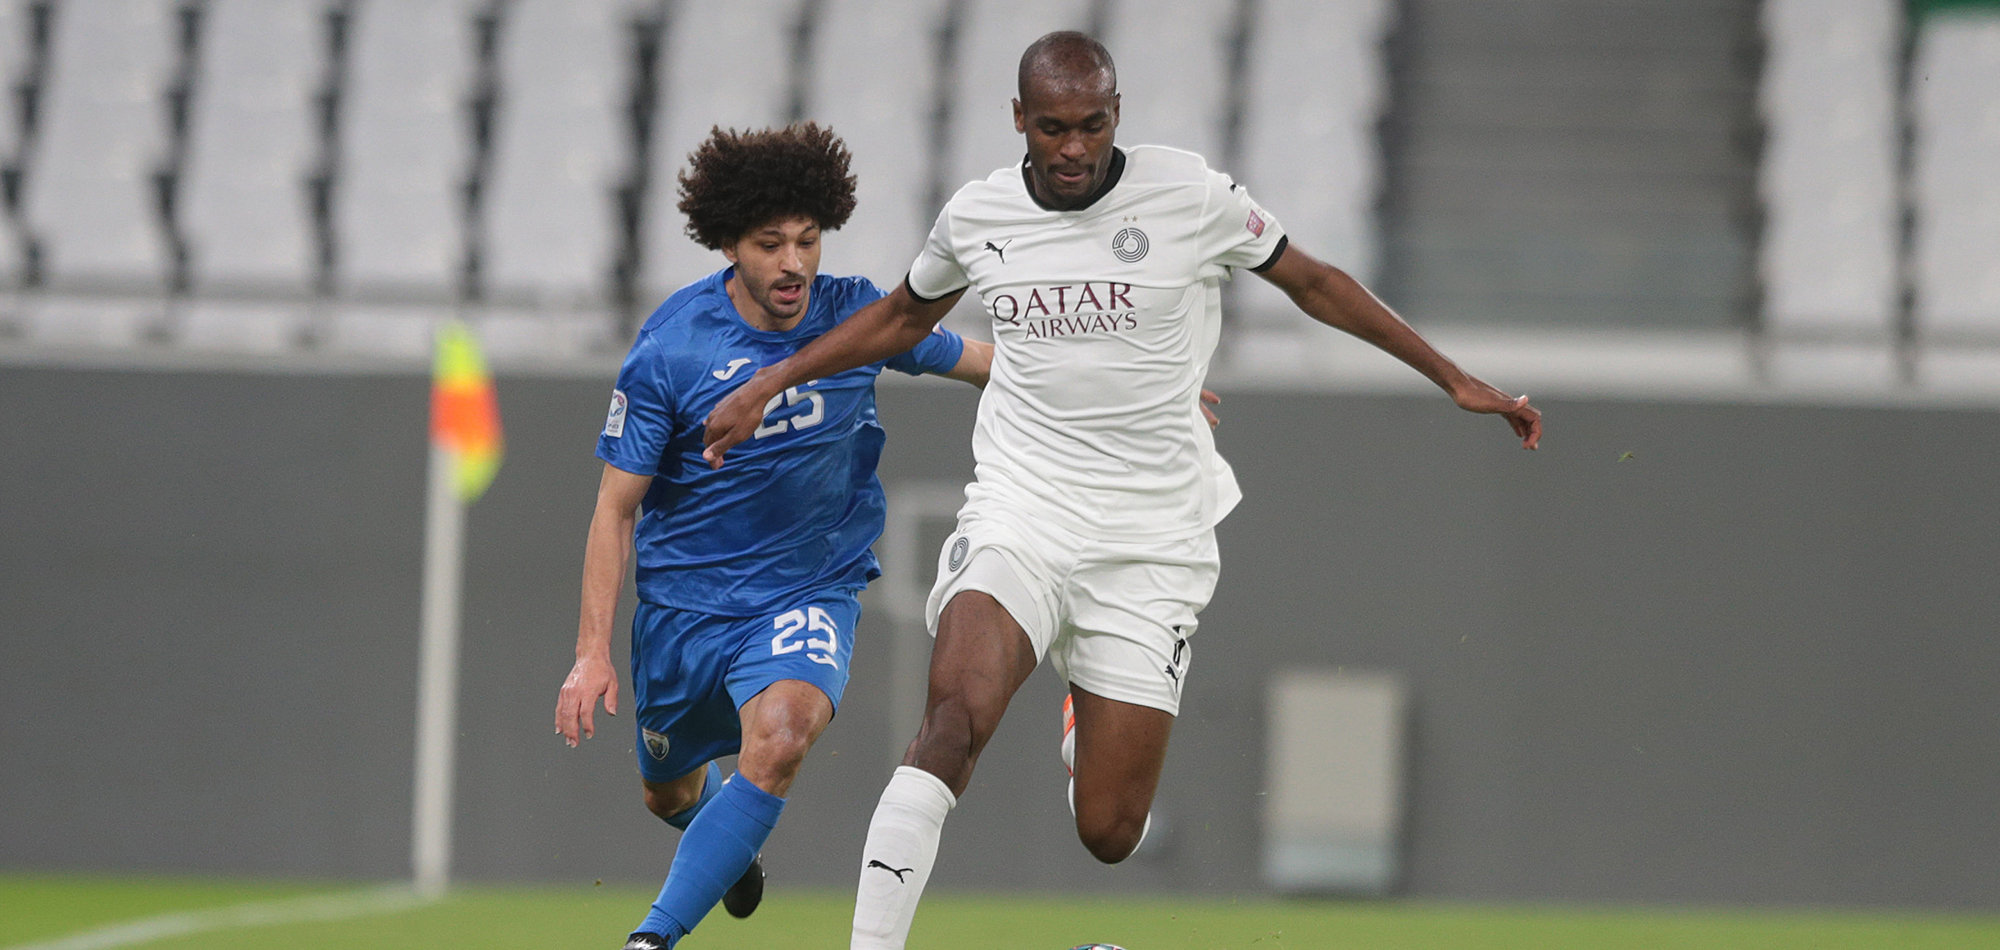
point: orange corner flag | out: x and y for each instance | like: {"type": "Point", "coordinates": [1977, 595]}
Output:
{"type": "Point", "coordinates": [465, 411]}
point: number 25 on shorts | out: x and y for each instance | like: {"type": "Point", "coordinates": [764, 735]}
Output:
{"type": "Point", "coordinates": [813, 621]}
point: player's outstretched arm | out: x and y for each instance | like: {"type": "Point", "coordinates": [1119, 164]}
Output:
{"type": "Point", "coordinates": [882, 329]}
{"type": "Point", "coordinates": [604, 558]}
{"type": "Point", "coordinates": [1329, 295]}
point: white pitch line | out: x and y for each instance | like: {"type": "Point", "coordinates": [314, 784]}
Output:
{"type": "Point", "coordinates": [291, 911]}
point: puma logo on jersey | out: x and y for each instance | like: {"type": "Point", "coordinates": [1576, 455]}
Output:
{"type": "Point", "coordinates": [1000, 249]}
{"type": "Point", "coordinates": [899, 874]}
{"type": "Point", "coordinates": [734, 365]}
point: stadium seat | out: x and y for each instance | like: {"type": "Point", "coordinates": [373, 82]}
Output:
{"type": "Point", "coordinates": [1829, 176]}
{"type": "Point", "coordinates": [709, 84]}
{"type": "Point", "coordinates": [1957, 252]}
{"type": "Point", "coordinates": [1173, 68]}
{"type": "Point", "coordinates": [551, 223]}
{"type": "Point", "coordinates": [247, 212]}
{"type": "Point", "coordinates": [90, 193]}
{"type": "Point", "coordinates": [405, 146]}
{"type": "Point", "coordinates": [873, 83]}
{"type": "Point", "coordinates": [988, 58]}
{"type": "Point", "coordinates": [1316, 85]}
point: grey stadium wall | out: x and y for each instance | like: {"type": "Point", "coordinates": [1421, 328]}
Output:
{"type": "Point", "coordinates": [1751, 663]}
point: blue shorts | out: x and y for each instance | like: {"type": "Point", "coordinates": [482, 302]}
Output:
{"type": "Point", "coordinates": [692, 671]}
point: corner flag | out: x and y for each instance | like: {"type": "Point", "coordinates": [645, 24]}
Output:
{"type": "Point", "coordinates": [465, 455]}
{"type": "Point", "coordinates": [465, 412]}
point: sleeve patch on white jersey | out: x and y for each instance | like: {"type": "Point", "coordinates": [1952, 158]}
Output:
{"type": "Point", "coordinates": [614, 421]}
{"type": "Point", "coordinates": [1256, 223]}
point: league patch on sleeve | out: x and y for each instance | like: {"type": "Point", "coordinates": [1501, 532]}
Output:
{"type": "Point", "coordinates": [614, 421]}
{"type": "Point", "coordinates": [1256, 223]}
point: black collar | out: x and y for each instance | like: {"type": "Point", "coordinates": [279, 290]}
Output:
{"type": "Point", "coordinates": [1110, 181]}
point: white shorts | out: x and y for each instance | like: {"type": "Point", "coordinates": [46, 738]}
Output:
{"type": "Point", "coordinates": [1113, 617]}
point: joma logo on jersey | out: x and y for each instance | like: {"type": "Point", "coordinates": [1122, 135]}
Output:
{"type": "Point", "coordinates": [1061, 301]}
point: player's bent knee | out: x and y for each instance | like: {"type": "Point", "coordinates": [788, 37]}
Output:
{"type": "Point", "coordinates": [772, 758]}
{"type": "Point", "coordinates": [1112, 841]}
{"type": "Point", "coordinates": [781, 752]}
{"type": "Point", "coordinates": [1112, 833]}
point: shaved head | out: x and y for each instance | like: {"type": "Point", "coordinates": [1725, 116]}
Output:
{"type": "Point", "coordinates": [1067, 62]}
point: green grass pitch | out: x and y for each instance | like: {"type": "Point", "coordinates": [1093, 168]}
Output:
{"type": "Point", "coordinates": [37, 909]}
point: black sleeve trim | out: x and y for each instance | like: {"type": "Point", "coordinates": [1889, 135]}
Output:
{"type": "Point", "coordinates": [912, 291]}
{"type": "Point", "coordinates": [1284, 241]}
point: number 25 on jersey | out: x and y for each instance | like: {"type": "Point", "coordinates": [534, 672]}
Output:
{"type": "Point", "coordinates": [806, 420]}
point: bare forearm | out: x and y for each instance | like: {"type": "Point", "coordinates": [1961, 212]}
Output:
{"type": "Point", "coordinates": [874, 333]}
{"type": "Point", "coordinates": [1341, 302]}
{"type": "Point", "coordinates": [975, 364]}
{"type": "Point", "coordinates": [605, 556]}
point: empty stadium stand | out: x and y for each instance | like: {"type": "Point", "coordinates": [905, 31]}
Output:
{"type": "Point", "coordinates": [1573, 162]}
{"type": "Point", "coordinates": [273, 177]}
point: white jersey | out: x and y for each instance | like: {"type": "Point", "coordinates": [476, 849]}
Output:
{"type": "Point", "coordinates": [1104, 319]}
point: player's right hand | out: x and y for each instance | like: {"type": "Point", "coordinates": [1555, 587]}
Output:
{"type": "Point", "coordinates": [592, 677]}
{"type": "Point", "coordinates": [733, 420]}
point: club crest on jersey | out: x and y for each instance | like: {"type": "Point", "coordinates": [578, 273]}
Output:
{"type": "Point", "coordinates": [656, 744]}
{"type": "Point", "coordinates": [1255, 225]}
{"type": "Point", "coordinates": [614, 421]}
{"type": "Point", "coordinates": [1130, 245]}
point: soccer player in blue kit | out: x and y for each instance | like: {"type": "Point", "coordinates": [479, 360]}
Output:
{"type": "Point", "coordinates": [748, 575]}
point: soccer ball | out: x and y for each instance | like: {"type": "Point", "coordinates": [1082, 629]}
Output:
{"type": "Point", "coordinates": [1096, 946]}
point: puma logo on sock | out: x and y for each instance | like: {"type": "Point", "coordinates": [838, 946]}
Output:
{"type": "Point", "coordinates": [899, 874]}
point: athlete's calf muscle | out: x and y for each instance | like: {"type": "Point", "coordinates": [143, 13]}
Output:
{"type": "Point", "coordinates": [1120, 750]}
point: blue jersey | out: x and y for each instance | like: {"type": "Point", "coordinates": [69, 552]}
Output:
{"type": "Point", "coordinates": [796, 507]}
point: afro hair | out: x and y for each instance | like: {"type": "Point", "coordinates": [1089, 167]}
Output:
{"type": "Point", "coordinates": [737, 181]}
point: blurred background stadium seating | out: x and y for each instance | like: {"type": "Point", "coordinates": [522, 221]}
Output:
{"type": "Point", "coordinates": [1727, 639]}
{"type": "Point", "coordinates": [1788, 196]}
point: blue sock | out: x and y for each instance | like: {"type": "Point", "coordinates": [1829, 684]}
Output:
{"type": "Point", "coordinates": [717, 848]}
{"type": "Point", "coordinates": [682, 818]}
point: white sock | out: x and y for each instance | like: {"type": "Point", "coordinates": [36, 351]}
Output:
{"type": "Point", "coordinates": [896, 861]}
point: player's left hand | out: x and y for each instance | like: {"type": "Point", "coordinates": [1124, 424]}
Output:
{"type": "Point", "coordinates": [591, 678]}
{"type": "Point", "coordinates": [1209, 398]}
{"type": "Point", "coordinates": [1525, 420]}
{"type": "Point", "coordinates": [733, 420]}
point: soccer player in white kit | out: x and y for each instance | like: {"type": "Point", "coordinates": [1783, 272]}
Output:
{"type": "Point", "coordinates": [1088, 533]}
